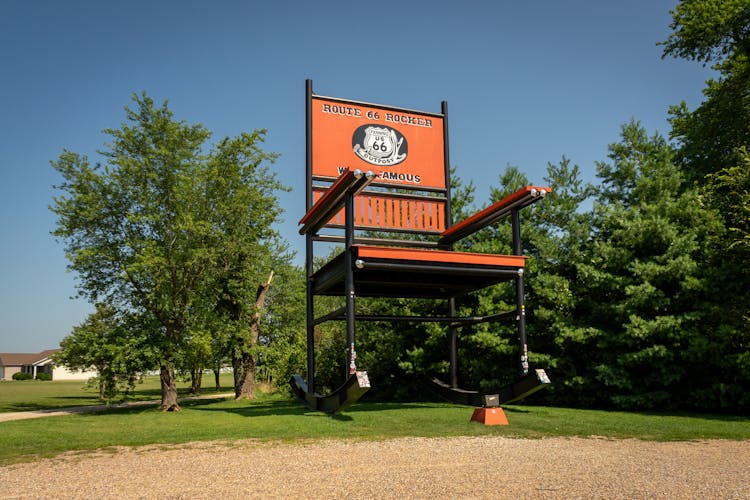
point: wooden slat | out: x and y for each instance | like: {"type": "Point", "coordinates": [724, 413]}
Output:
{"type": "Point", "coordinates": [376, 211]}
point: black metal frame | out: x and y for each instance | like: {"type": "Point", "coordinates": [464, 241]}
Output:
{"type": "Point", "coordinates": [349, 276]}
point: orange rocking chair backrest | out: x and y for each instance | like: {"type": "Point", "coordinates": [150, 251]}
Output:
{"type": "Point", "coordinates": [404, 149]}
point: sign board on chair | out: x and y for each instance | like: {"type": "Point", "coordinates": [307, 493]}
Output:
{"type": "Point", "coordinates": [400, 146]}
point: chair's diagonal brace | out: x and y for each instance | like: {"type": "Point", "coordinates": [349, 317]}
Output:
{"type": "Point", "coordinates": [521, 198]}
{"type": "Point", "coordinates": [349, 182]}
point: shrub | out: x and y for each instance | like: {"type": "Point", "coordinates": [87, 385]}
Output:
{"type": "Point", "coordinates": [22, 376]}
{"type": "Point", "coordinates": [43, 376]}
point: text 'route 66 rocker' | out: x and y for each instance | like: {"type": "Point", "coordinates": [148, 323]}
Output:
{"type": "Point", "coordinates": [385, 170]}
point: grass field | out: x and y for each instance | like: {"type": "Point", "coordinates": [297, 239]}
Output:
{"type": "Point", "coordinates": [29, 395]}
{"type": "Point", "coordinates": [273, 417]}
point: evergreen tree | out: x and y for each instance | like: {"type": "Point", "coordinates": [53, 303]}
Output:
{"type": "Point", "coordinates": [558, 236]}
{"type": "Point", "coordinates": [645, 276]}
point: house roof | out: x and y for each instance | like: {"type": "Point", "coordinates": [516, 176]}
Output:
{"type": "Point", "coordinates": [22, 358]}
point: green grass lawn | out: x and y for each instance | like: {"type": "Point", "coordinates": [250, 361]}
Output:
{"type": "Point", "coordinates": [29, 395]}
{"type": "Point", "coordinates": [273, 417]}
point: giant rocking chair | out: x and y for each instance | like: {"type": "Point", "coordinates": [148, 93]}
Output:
{"type": "Point", "coordinates": [385, 170]}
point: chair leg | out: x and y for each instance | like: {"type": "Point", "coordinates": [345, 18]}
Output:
{"type": "Point", "coordinates": [523, 349]}
{"type": "Point", "coordinates": [453, 344]}
{"type": "Point", "coordinates": [310, 320]}
{"type": "Point", "coordinates": [521, 325]}
{"type": "Point", "coordinates": [349, 283]}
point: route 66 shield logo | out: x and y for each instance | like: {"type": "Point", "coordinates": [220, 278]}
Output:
{"type": "Point", "coordinates": [379, 145]}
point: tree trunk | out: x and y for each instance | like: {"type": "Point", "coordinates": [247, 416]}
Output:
{"type": "Point", "coordinates": [102, 370]}
{"type": "Point", "coordinates": [244, 375]}
{"type": "Point", "coordinates": [243, 359]}
{"type": "Point", "coordinates": [168, 389]}
{"type": "Point", "coordinates": [196, 378]}
{"type": "Point", "coordinates": [217, 372]}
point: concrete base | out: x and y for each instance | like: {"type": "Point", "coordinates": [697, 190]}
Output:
{"type": "Point", "coordinates": [489, 416]}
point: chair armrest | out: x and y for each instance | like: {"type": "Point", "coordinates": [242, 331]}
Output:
{"type": "Point", "coordinates": [521, 198]}
{"type": "Point", "coordinates": [349, 182]}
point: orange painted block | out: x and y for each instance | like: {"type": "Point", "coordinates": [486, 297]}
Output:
{"type": "Point", "coordinates": [489, 416]}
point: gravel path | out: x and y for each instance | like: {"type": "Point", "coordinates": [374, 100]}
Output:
{"type": "Point", "coordinates": [464, 467]}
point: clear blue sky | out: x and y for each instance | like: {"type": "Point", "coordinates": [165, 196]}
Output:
{"type": "Point", "coordinates": [526, 82]}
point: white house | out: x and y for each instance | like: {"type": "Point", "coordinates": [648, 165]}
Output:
{"type": "Point", "coordinates": [34, 364]}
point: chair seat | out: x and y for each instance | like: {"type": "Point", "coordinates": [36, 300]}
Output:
{"type": "Point", "coordinates": [410, 272]}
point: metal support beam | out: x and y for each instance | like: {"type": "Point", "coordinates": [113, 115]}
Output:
{"type": "Point", "coordinates": [340, 315]}
{"type": "Point", "coordinates": [309, 242]}
{"type": "Point", "coordinates": [523, 349]}
{"type": "Point", "coordinates": [453, 343]}
{"type": "Point", "coordinates": [310, 302]}
{"type": "Point", "coordinates": [349, 282]}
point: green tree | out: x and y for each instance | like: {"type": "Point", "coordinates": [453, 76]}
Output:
{"type": "Point", "coordinates": [147, 231]}
{"type": "Point", "coordinates": [713, 141]}
{"type": "Point", "coordinates": [196, 356]}
{"type": "Point", "coordinates": [728, 191]}
{"type": "Point", "coordinates": [283, 333]}
{"type": "Point", "coordinates": [646, 285]}
{"type": "Point", "coordinates": [243, 209]}
{"type": "Point", "coordinates": [557, 235]}
{"type": "Point", "coordinates": [709, 30]}
{"type": "Point", "coordinates": [114, 346]}
{"type": "Point", "coordinates": [717, 32]}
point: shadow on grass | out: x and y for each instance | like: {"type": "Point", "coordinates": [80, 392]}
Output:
{"type": "Point", "coordinates": [85, 398]}
{"type": "Point", "coordinates": [276, 407]}
{"type": "Point", "coordinates": [387, 406]}
{"type": "Point", "coordinates": [720, 417]}
{"type": "Point", "coordinates": [181, 392]}
{"type": "Point", "coordinates": [60, 402]}
{"type": "Point", "coordinates": [511, 409]}
{"type": "Point", "coordinates": [18, 407]}
{"type": "Point", "coordinates": [671, 413]}
{"type": "Point", "coordinates": [294, 407]}
{"type": "Point", "coordinates": [251, 409]}
{"type": "Point", "coordinates": [341, 417]}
